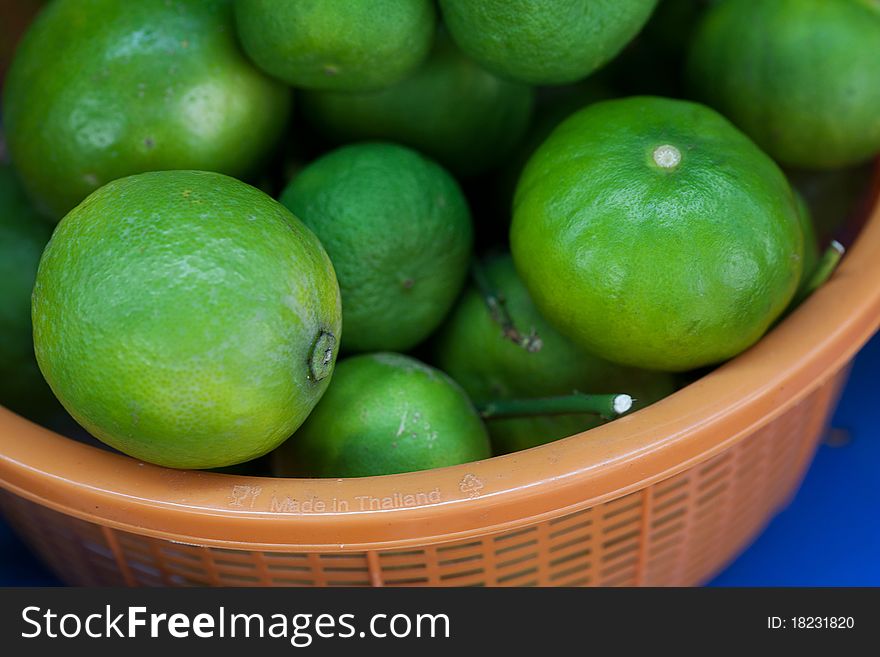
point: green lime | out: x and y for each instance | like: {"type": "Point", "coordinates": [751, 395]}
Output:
{"type": "Point", "coordinates": [543, 42]}
{"type": "Point", "coordinates": [101, 89]}
{"type": "Point", "coordinates": [346, 45]}
{"type": "Point", "coordinates": [472, 350]}
{"type": "Point", "coordinates": [185, 318]}
{"type": "Point", "coordinates": [653, 233]}
{"type": "Point", "coordinates": [385, 413]}
{"type": "Point", "coordinates": [798, 76]}
{"type": "Point", "coordinates": [398, 230]}
{"type": "Point", "coordinates": [450, 109]}
{"type": "Point", "coordinates": [23, 235]}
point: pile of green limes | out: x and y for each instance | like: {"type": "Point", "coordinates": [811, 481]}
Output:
{"type": "Point", "coordinates": [510, 220]}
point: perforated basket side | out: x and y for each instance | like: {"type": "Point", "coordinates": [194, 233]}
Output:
{"type": "Point", "coordinates": [676, 532]}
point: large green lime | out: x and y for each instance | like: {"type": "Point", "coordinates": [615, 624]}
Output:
{"type": "Point", "coordinates": [653, 233]}
{"type": "Point", "coordinates": [398, 230]}
{"type": "Point", "coordinates": [471, 349]}
{"type": "Point", "coordinates": [798, 76]}
{"type": "Point", "coordinates": [101, 89]}
{"type": "Point", "coordinates": [450, 109]}
{"type": "Point", "coordinates": [186, 318]}
{"type": "Point", "coordinates": [347, 45]}
{"type": "Point", "coordinates": [385, 413]}
{"type": "Point", "coordinates": [542, 42]}
{"type": "Point", "coordinates": [23, 234]}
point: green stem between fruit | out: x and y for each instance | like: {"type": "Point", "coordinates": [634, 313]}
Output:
{"type": "Point", "coordinates": [606, 406]}
{"type": "Point", "coordinates": [498, 310]}
{"type": "Point", "coordinates": [826, 266]}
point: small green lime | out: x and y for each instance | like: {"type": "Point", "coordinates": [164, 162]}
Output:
{"type": "Point", "coordinates": [798, 76]}
{"type": "Point", "coordinates": [653, 233]}
{"type": "Point", "coordinates": [471, 349]}
{"type": "Point", "coordinates": [543, 42]}
{"type": "Point", "coordinates": [345, 45]}
{"type": "Point", "coordinates": [385, 413]}
{"type": "Point", "coordinates": [185, 318]}
{"type": "Point", "coordinates": [23, 235]}
{"type": "Point", "coordinates": [398, 230]}
{"type": "Point", "coordinates": [450, 109]}
{"type": "Point", "coordinates": [101, 89]}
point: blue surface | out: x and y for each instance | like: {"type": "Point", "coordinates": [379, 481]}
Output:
{"type": "Point", "coordinates": [829, 536]}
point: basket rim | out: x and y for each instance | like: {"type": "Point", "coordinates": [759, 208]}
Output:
{"type": "Point", "coordinates": [697, 422]}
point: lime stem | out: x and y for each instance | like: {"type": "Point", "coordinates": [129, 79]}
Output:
{"type": "Point", "coordinates": [498, 310]}
{"type": "Point", "coordinates": [823, 270]}
{"type": "Point", "coordinates": [606, 406]}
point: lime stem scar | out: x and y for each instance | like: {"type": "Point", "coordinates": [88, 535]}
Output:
{"type": "Point", "coordinates": [494, 301]}
{"type": "Point", "coordinates": [607, 406]}
{"type": "Point", "coordinates": [667, 156]}
{"type": "Point", "coordinates": [321, 360]}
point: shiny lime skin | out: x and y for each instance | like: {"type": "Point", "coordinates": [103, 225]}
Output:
{"type": "Point", "coordinates": [798, 76]}
{"type": "Point", "coordinates": [471, 349]}
{"type": "Point", "coordinates": [542, 42]}
{"type": "Point", "coordinates": [345, 45]}
{"type": "Point", "coordinates": [23, 235]}
{"type": "Point", "coordinates": [450, 109]}
{"type": "Point", "coordinates": [660, 268]}
{"type": "Point", "coordinates": [101, 89]}
{"type": "Point", "coordinates": [385, 413]}
{"type": "Point", "coordinates": [398, 230]}
{"type": "Point", "coordinates": [176, 316]}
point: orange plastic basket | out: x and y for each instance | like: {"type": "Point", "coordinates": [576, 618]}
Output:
{"type": "Point", "coordinates": [666, 496]}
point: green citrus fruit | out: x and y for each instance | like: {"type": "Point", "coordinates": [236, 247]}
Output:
{"type": "Point", "coordinates": [398, 230]}
{"type": "Point", "coordinates": [346, 45]}
{"type": "Point", "coordinates": [450, 109]}
{"type": "Point", "coordinates": [101, 89]}
{"type": "Point", "coordinates": [653, 233]}
{"type": "Point", "coordinates": [798, 76]}
{"type": "Point", "coordinates": [471, 349]}
{"type": "Point", "coordinates": [23, 235]}
{"type": "Point", "coordinates": [185, 318]}
{"type": "Point", "coordinates": [385, 413]}
{"type": "Point", "coordinates": [543, 42]}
